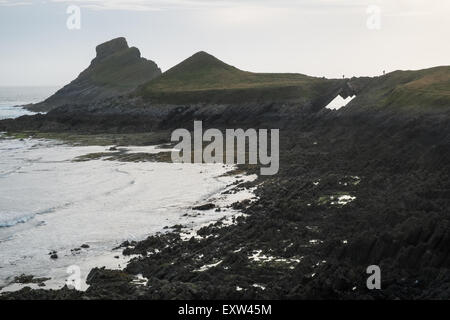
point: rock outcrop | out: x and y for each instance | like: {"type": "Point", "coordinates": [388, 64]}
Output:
{"type": "Point", "coordinates": [116, 70]}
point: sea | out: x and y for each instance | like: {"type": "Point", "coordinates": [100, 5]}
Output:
{"type": "Point", "coordinates": [50, 203]}
{"type": "Point", "coordinates": [11, 98]}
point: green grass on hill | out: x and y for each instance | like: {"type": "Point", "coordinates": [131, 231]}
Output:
{"type": "Point", "coordinates": [427, 88]}
{"type": "Point", "coordinates": [203, 77]}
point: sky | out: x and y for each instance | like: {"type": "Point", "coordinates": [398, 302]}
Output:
{"type": "Point", "coordinates": [328, 38]}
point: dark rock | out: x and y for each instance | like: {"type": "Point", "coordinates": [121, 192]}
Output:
{"type": "Point", "coordinates": [25, 279]}
{"type": "Point", "coordinates": [110, 47]}
{"type": "Point", "coordinates": [207, 206]}
{"type": "Point", "coordinates": [399, 219]}
{"type": "Point", "coordinates": [115, 71]}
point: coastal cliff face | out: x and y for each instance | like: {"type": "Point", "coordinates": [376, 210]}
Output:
{"type": "Point", "coordinates": [170, 102]}
{"type": "Point", "coordinates": [116, 70]}
{"type": "Point", "coordinates": [120, 91]}
{"type": "Point", "coordinates": [200, 87]}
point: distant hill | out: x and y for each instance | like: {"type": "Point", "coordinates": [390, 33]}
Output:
{"type": "Point", "coordinates": [204, 78]}
{"type": "Point", "coordinates": [421, 90]}
{"type": "Point", "coordinates": [116, 70]}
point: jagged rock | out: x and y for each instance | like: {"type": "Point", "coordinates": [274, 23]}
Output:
{"type": "Point", "coordinates": [109, 48]}
{"type": "Point", "coordinates": [116, 70]}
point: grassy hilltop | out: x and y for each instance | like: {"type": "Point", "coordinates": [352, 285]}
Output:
{"type": "Point", "coordinates": [204, 78]}
{"type": "Point", "coordinates": [421, 90]}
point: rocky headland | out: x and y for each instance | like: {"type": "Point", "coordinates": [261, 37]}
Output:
{"type": "Point", "coordinates": [364, 185]}
{"type": "Point", "coordinates": [116, 70]}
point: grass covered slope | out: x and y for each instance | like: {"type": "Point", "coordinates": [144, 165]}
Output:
{"type": "Point", "coordinates": [117, 69]}
{"type": "Point", "coordinates": [204, 78]}
{"type": "Point", "coordinates": [422, 90]}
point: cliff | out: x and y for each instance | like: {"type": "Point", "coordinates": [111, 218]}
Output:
{"type": "Point", "coordinates": [116, 70]}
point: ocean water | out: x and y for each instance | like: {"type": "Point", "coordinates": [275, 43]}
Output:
{"type": "Point", "coordinates": [48, 203]}
{"type": "Point", "coordinates": [11, 97]}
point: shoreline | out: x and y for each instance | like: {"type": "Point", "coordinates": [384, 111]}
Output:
{"type": "Point", "coordinates": [116, 260]}
{"type": "Point", "coordinates": [191, 220]}
{"type": "Point", "coordinates": [303, 238]}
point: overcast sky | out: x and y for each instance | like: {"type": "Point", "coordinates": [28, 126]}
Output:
{"type": "Point", "coordinates": [315, 37]}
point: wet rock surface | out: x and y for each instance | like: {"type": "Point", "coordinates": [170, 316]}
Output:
{"type": "Point", "coordinates": [299, 240]}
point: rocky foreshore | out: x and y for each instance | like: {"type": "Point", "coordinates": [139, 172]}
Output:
{"type": "Point", "coordinates": [353, 190]}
